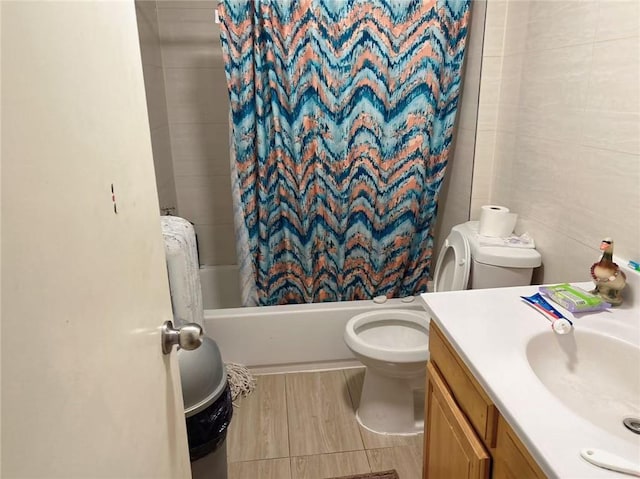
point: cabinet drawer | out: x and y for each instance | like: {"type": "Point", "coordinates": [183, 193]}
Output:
{"type": "Point", "coordinates": [469, 395]}
{"type": "Point", "coordinates": [512, 460]}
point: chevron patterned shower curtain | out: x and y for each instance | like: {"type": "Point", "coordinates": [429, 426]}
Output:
{"type": "Point", "coordinates": [342, 113]}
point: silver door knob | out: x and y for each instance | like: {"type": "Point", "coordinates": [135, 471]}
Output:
{"type": "Point", "coordinates": [187, 337]}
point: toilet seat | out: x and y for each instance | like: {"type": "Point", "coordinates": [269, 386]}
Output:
{"type": "Point", "coordinates": [454, 262]}
{"type": "Point", "coordinates": [392, 335]}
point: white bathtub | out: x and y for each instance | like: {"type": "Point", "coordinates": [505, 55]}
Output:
{"type": "Point", "coordinates": [290, 338]}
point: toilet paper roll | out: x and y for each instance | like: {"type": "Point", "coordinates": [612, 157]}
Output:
{"type": "Point", "coordinates": [496, 221]}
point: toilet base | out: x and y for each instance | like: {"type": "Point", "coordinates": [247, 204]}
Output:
{"type": "Point", "coordinates": [392, 405]}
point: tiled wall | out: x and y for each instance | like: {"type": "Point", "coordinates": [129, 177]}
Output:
{"type": "Point", "coordinates": [455, 195]}
{"type": "Point", "coordinates": [559, 127]}
{"type": "Point", "coordinates": [197, 106]}
{"type": "Point", "coordinates": [152, 65]}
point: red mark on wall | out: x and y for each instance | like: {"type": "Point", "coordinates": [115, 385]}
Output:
{"type": "Point", "coordinates": [113, 198]}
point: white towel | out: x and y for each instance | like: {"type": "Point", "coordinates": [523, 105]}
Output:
{"type": "Point", "coordinates": [183, 270]}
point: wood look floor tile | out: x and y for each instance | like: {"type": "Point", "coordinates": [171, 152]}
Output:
{"type": "Point", "coordinates": [406, 460]}
{"type": "Point", "coordinates": [320, 414]}
{"type": "Point", "coordinates": [355, 379]}
{"type": "Point", "coordinates": [265, 469]}
{"type": "Point", "coordinates": [329, 465]}
{"type": "Point", "coordinates": [371, 440]}
{"type": "Point", "coordinates": [258, 428]}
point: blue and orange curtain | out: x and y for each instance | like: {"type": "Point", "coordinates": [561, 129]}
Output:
{"type": "Point", "coordinates": [342, 115]}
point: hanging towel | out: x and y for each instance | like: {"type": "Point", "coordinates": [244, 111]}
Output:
{"type": "Point", "coordinates": [183, 269]}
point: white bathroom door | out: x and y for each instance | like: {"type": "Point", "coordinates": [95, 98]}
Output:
{"type": "Point", "coordinates": [86, 390]}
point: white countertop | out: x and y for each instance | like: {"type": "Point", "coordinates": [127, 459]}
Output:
{"type": "Point", "coordinates": [490, 329]}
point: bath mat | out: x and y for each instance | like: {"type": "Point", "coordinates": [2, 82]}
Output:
{"type": "Point", "coordinates": [392, 474]}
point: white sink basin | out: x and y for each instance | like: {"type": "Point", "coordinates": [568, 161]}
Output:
{"type": "Point", "coordinates": [596, 376]}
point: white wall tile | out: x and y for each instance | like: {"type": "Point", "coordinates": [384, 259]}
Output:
{"type": "Point", "coordinates": [187, 24]}
{"type": "Point", "coordinates": [552, 122]}
{"type": "Point", "coordinates": [539, 174]}
{"type": "Point", "coordinates": [190, 38]}
{"type": "Point", "coordinates": [490, 80]}
{"type": "Point", "coordinates": [577, 260]}
{"type": "Point", "coordinates": [205, 200]}
{"type": "Point", "coordinates": [494, 28]}
{"type": "Point", "coordinates": [476, 204]}
{"type": "Point", "coordinates": [567, 147]}
{"type": "Point", "coordinates": [556, 77]}
{"type": "Point", "coordinates": [212, 4]}
{"type": "Point", "coordinates": [200, 141]}
{"type": "Point", "coordinates": [197, 102]}
{"type": "Point", "coordinates": [197, 95]}
{"type": "Point", "coordinates": [161, 146]}
{"type": "Point", "coordinates": [488, 117]}
{"type": "Point", "coordinates": [217, 244]}
{"type": "Point", "coordinates": [516, 27]}
{"type": "Point", "coordinates": [200, 55]}
{"type": "Point", "coordinates": [148, 31]}
{"type": "Point", "coordinates": [607, 201]}
{"type": "Point", "coordinates": [454, 196]}
{"type": "Point", "coordinates": [483, 163]}
{"type": "Point", "coordinates": [167, 198]}
{"type": "Point", "coordinates": [614, 83]}
{"type": "Point", "coordinates": [147, 20]}
{"type": "Point", "coordinates": [510, 79]}
{"type": "Point", "coordinates": [156, 96]}
{"type": "Point", "coordinates": [508, 118]}
{"type": "Point", "coordinates": [504, 156]}
{"type": "Point", "coordinates": [459, 176]}
{"type": "Point", "coordinates": [561, 23]}
{"type": "Point", "coordinates": [610, 130]}
{"type": "Point", "coordinates": [563, 259]}
{"type": "Point", "coordinates": [165, 180]}
{"type": "Point", "coordinates": [477, 28]}
{"type": "Point", "coordinates": [218, 166]}
{"type": "Point", "coordinates": [618, 19]}
{"type": "Point", "coordinates": [468, 104]}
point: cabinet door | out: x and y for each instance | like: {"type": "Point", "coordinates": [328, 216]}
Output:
{"type": "Point", "coordinates": [452, 449]}
{"type": "Point", "coordinates": [511, 458]}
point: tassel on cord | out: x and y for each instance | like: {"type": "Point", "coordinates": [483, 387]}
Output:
{"type": "Point", "coordinates": [241, 381]}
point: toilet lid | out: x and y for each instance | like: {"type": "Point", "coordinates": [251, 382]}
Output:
{"type": "Point", "coordinates": [454, 261]}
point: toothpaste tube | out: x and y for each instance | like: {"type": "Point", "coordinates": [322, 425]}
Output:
{"type": "Point", "coordinates": [559, 323]}
{"type": "Point", "coordinates": [573, 298]}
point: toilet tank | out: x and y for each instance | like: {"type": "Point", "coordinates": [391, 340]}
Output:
{"type": "Point", "coordinates": [484, 276]}
{"type": "Point", "coordinates": [498, 266]}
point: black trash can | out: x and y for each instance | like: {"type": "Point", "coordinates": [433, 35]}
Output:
{"type": "Point", "coordinates": [207, 407]}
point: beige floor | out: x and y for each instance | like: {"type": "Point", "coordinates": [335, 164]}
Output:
{"type": "Point", "coordinates": [302, 426]}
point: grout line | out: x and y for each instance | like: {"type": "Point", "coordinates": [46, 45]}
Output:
{"type": "Point", "coordinates": [259, 460]}
{"type": "Point", "coordinates": [368, 459]}
{"type": "Point", "coordinates": [286, 409]}
{"type": "Point", "coordinates": [353, 409]}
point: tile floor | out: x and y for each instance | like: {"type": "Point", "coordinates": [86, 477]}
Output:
{"type": "Point", "coordinates": [303, 426]}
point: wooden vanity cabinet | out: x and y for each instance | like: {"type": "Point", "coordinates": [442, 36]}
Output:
{"type": "Point", "coordinates": [512, 460]}
{"type": "Point", "coordinates": [465, 436]}
{"type": "Point", "coordinates": [454, 450]}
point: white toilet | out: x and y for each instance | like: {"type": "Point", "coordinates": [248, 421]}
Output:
{"type": "Point", "coordinates": [393, 343]}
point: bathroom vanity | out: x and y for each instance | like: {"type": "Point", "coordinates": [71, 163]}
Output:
{"type": "Point", "coordinates": [464, 433]}
{"type": "Point", "coordinates": [508, 398]}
